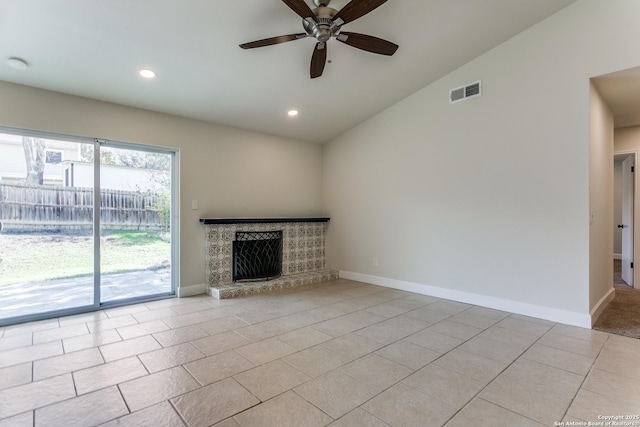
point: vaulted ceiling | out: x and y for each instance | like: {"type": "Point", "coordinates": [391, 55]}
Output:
{"type": "Point", "coordinates": [95, 48]}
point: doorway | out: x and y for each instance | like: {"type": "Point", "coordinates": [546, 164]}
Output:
{"type": "Point", "coordinates": [624, 214]}
{"type": "Point", "coordinates": [135, 217]}
{"type": "Point", "coordinates": [84, 224]}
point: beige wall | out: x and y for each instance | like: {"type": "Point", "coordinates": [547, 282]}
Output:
{"type": "Point", "coordinates": [627, 139]}
{"type": "Point", "coordinates": [229, 171]}
{"type": "Point", "coordinates": [488, 197]}
{"type": "Point", "coordinates": [601, 198]}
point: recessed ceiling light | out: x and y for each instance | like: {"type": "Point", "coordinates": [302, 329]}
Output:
{"type": "Point", "coordinates": [147, 74]}
{"type": "Point", "coordinates": [17, 63]}
{"type": "Point", "coordinates": [292, 113]}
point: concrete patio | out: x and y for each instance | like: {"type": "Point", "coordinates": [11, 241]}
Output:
{"type": "Point", "coordinates": [40, 297]}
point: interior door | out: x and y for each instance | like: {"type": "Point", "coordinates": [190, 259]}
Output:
{"type": "Point", "coordinates": [627, 219]}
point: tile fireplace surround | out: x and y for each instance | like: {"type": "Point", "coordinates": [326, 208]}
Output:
{"type": "Point", "coordinates": [303, 254]}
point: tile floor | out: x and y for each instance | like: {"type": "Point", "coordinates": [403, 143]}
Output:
{"type": "Point", "coordinates": [338, 353]}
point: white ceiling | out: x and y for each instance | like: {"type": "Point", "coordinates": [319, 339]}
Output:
{"type": "Point", "coordinates": [93, 48]}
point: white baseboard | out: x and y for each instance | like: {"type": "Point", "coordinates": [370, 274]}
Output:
{"type": "Point", "coordinates": [602, 304]}
{"type": "Point", "coordinates": [617, 256]}
{"type": "Point", "coordinates": [189, 291]}
{"type": "Point", "coordinates": [541, 312]}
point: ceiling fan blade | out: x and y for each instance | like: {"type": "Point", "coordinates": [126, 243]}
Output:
{"type": "Point", "coordinates": [301, 8]}
{"type": "Point", "coordinates": [318, 60]}
{"type": "Point", "coordinates": [273, 40]}
{"type": "Point", "coordinates": [368, 43]}
{"type": "Point", "coordinates": [355, 9]}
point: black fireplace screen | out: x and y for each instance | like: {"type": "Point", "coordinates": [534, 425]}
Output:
{"type": "Point", "coordinates": [257, 255]}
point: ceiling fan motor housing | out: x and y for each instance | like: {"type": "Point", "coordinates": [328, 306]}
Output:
{"type": "Point", "coordinates": [323, 28]}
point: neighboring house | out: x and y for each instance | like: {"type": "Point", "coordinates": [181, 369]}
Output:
{"type": "Point", "coordinates": [13, 164]}
{"type": "Point", "coordinates": [63, 166]}
{"type": "Point", "coordinates": [112, 177]}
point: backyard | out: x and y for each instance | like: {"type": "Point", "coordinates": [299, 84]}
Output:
{"type": "Point", "coordinates": [49, 192]}
{"type": "Point", "coordinates": [36, 257]}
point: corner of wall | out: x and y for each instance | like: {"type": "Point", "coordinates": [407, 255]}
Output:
{"type": "Point", "coordinates": [601, 190]}
{"type": "Point", "coordinates": [192, 290]}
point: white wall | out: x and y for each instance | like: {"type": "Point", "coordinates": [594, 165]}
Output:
{"type": "Point", "coordinates": [229, 171]}
{"type": "Point", "coordinates": [487, 199]}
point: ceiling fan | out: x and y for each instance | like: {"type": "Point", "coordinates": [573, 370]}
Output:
{"type": "Point", "coordinates": [325, 22]}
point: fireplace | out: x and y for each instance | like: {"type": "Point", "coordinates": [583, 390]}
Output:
{"type": "Point", "coordinates": [257, 255]}
{"type": "Point", "coordinates": [303, 254]}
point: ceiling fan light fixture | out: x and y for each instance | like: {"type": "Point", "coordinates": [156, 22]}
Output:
{"type": "Point", "coordinates": [146, 73]}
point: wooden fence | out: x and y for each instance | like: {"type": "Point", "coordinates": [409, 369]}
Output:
{"type": "Point", "coordinates": [28, 208]}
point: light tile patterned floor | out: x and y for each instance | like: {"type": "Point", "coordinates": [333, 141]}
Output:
{"type": "Point", "coordinates": [338, 353]}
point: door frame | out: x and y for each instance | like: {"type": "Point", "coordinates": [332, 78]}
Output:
{"type": "Point", "coordinates": [174, 224]}
{"type": "Point", "coordinates": [636, 204]}
{"type": "Point", "coordinates": [174, 219]}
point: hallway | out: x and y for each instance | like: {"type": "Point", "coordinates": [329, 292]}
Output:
{"type": "Point", "coordinates": [622, 315]}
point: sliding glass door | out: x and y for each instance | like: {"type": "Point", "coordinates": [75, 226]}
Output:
{"type": "Point", "coordinates": [83, 224]}
{"type": "Point", "coordinates": [135, 219]}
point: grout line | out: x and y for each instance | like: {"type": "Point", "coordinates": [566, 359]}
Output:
{"type": "Point", "coordinates": [124, 400]}
{"type": "Point", "coordinates": [73, 380]}
{"type": "Point", "coordinates": [496, 377]}
{"type": "Point", "coordinates": [585, 378]}
{"type": "Point", "coordinates": [184, 421]}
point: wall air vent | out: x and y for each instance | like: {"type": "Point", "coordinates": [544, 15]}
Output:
{"type": "Point", "coordinates": [465, 92]}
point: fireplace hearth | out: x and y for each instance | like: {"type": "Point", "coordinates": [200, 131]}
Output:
{"type": "Point", "coordinates": [257, 255]}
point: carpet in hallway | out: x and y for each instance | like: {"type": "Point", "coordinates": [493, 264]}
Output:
{"type": "Point", "coordinates": [622, 315]}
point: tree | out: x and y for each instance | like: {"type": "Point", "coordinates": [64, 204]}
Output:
{"type": "Point", "coordinates": [34, 154]}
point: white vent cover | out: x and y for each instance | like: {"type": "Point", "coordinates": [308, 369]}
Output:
{"type": "Point", "coordinates": [464, 92]}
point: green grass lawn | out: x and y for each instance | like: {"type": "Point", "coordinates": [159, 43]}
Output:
{"type": "Point", "coordinates": [39, 257]}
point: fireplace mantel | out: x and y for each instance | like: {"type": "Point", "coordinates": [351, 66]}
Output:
{"type": "Point", "coordinates": [209, 221]}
